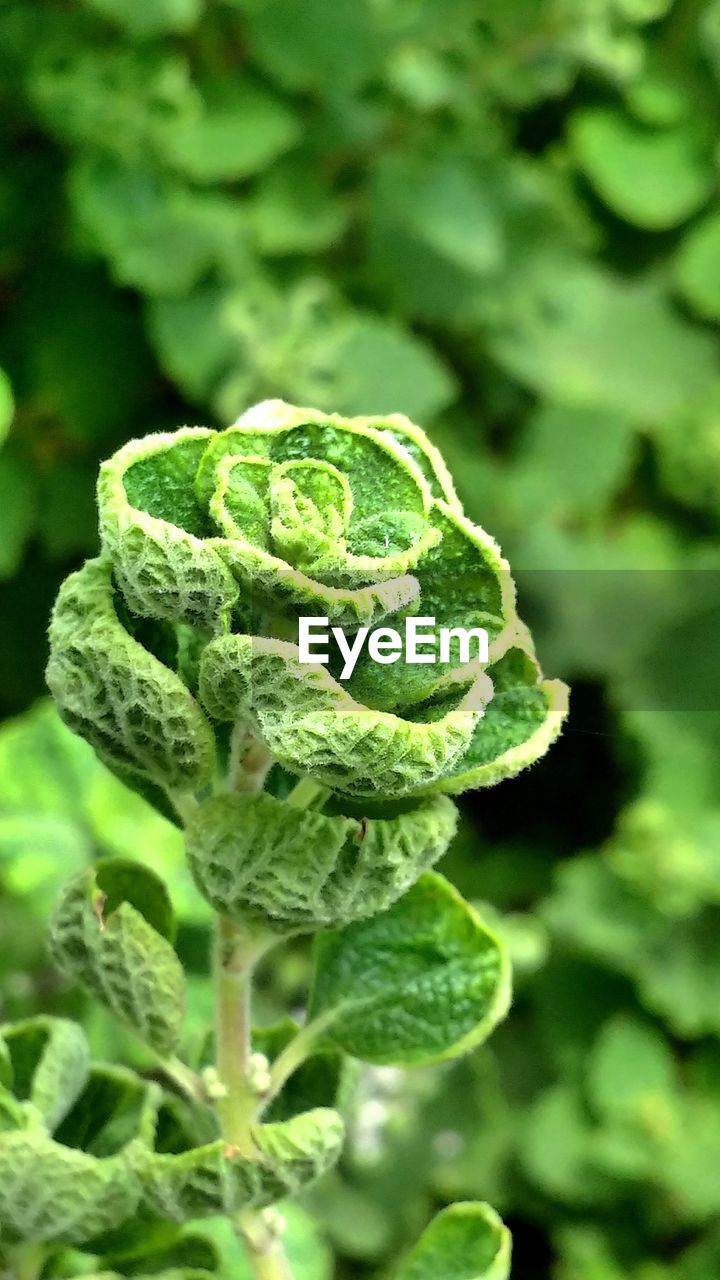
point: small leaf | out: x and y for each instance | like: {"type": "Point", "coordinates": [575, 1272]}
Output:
{"type": "Point", "coordinates": [152, 528]}
{"type": "Point", "coordinates": [384, 367]}
{"type": "Point", "coordinates": [464, 1242]}
{"type": "Point", "coordinates": [697, 267]}
{"type": "Point", "coordinates": [101, 937]}
{"type": "Point", "coordinates": [654, 178]}
{"type": "Point", "coordinates": [317, 1082]}
{"type": "Point", "coordinates": [49, 1063]}
{"type": "Point", "coordinates": [238, 130]}
{"type": "Point", "coordinates": [52, 1193]}
{"type": "Point", "coordinates": [424, 981]}
{"type": "Point", "coordinates": [201, 1181]}
{"type": "Point", "coordinates": [257, 857]}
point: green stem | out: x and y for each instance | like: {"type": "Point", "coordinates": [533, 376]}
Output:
{"type": "Point", "coordinates": [265, 1250]}
{"type": "Point", "coordinates": [295, 1053]}
{"type": "Point", "coordinates": [185, 1079]}
{"type": "Point", "coordinates": [306, 793]}
{"type": "Point", "coordinates": [237, 951]}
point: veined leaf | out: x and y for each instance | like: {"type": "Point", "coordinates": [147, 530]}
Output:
{"type": "Point", "coordinates": [422, 982]}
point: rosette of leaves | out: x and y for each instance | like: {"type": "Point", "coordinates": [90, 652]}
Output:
{"type": "Point", "coordinates": [175, 653]}
{"type": "Point", "coordinates": [310, 802]}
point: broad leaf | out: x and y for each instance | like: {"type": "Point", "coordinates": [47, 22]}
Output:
{"type": "Point", "coordinates": [257, 857]}
{"type": "Point", "coordinates": [464, 1242]}
{"type": "Point", "coordinates": [424, 981]}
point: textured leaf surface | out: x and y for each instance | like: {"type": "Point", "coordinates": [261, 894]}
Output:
{"type": "Point", "coordinates": [464, 1242]}
{"type": "Point", "coordinates": [52, 1193]}
{"type": "Point", "coordinates": [293, 511]}
{"type": "Point", "coordinates": [422, 982]}
{"type": "Point", "coordinates": [215, 1178]}
{"type": "Point", "coordinates": [48, 1064]}
{"type": "Point", "coordinates": [101, 937]}
{"type": "Point", "coordinates": [131, 708]}
{"type": "Point", "coordinates": [258, 857]}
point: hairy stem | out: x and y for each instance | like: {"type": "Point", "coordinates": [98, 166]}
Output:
{"type": "Point", "coordinates": [237, 951]}
{"type": "Point", "coordinates": [235, 957]}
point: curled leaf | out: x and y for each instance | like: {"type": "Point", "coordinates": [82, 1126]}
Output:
{"type": "Point", "coordinates": [104, 934]}
{"type": "Point", "coordinates": [254, 856]}
{"type": "Point", "coordinates": [130, 706]}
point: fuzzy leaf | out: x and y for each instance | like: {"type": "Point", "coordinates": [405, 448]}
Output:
{"type": "Point", "coordinates": [135, 711]}
{"type": "Point", "coordinates": [48, 1064]}
{"type": "Point", "coordinates": [313, 725]}
{"type": "Point", "coordinates": [152, 527]}
{"type": "Point", "coordinates": [254, 856]}
{"type": "Point", "coordinates": [424, 981]}
{"type": "Point", "coordinates": [464, 1242]}
{"type": "Point", "coordinates": [54, 1193]}
{"type": "Point", "coordinates": [214, 1178]}
{"type": "Point", "coordinates": [104, 935]}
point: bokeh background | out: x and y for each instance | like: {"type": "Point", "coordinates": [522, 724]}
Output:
{"type": "Point", "coordinates": [501, 218]}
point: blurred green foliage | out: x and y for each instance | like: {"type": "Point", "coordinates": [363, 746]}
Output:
{"type": "Point", "coordinates": [503, 220]}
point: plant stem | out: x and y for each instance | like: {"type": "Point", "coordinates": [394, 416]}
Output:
{"type": "Point", "coordinates": [307, 792]}
{"type": "Point", "coordinates": [295, 1053]}
{"type": "Point", "coordinates": [237, 951]}
{"type": "Point", "coordinates": [236, 954]}
{"type": "Point", "coordinates": [264, 1248]}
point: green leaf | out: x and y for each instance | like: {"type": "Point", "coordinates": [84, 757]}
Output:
{"type": "Point", "coordinates": [51, 1193]}
{"type": "Point", "coordinates": [104, 935]}
{"type": "Point", "coordinates": [201, 1181]}
{"type": "Point", "coordinates": [383, 367]}
{"type": "Point", "coordinates": [143, 21]}
{"type": "Point", "coordinates": [49, 1064]}
{"type": "Point", "coordinates": [238, 129]}
{"type": "Point", "coordinates": [258, 857]}
{"type": "Point", "coordinates": [319, 1081]}
{"type": "Point", "coordinates": [630, 1070]}
{"type": "Point", "coordinates": [421, 982]}
{"type": "Point", "coordinates": [570, 460]}
{"type": "Point", "coordinates": [697, 269]}
{"type": "Point", "coordinates": [132, 709]}
{"type": "Point", "coordinates": [464, 1242]}
{"type": "Point", "coordinates": [654, 178]}
{"type": "Point", "coordinates": [302, 43]}
{"type": "Point", "coordinates": [294, 211]}
{"type": "Point", "coordinates": [157, 235]}
{"type": "Point", "coordinates": [585, 337]}
{"type": "Point", "coordinates": [152, 526]}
